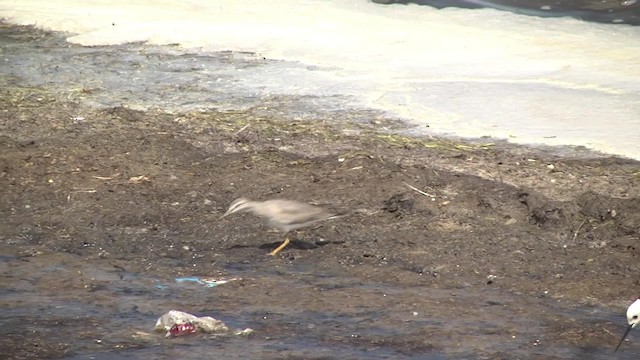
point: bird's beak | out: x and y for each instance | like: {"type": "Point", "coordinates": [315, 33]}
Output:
{"type": "Point", "coordinates": [623, 337]}
{"type": "Point", "coordinates": [225, 214]}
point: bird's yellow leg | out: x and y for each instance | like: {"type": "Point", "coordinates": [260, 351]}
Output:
{"type": "Point", "coordinates": [279, 248]}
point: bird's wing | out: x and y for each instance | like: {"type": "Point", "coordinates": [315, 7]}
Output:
{"type": "Point", "coordinates": [298, 212]}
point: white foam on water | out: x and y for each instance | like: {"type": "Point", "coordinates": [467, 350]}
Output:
{"type": "Point", "coordinates": [470, 73]}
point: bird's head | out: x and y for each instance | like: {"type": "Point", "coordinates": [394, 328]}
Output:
{"type": "Point", "coordinates": [633, 314]}
{"type": "Point", "coordinates": [633, 318]}
{"type": "Point", "coordinates": [237, 205]}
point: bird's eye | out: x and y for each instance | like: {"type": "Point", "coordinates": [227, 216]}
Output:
{"type": "Point", "coordinates": [635, 317]}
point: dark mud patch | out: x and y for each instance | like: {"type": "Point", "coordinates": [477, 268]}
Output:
{"type": "Point", "coordinates": [504, 252]}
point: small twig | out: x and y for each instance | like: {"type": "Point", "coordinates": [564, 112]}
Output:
{"type": "Point", "coordinates": [575, 234]}
{"type": "Point", "coordinates": [106, 177]}
{"type": "Point", "coordinates": [79, 191]}
{"type": "Point", "coordinates": [365, 212]}
{"type": "Point", "coordinates": [138, 179]}
{"type": "Point", "coordinates": [418, 190]}
{"type": "Point", "coordinates": [241, 130]}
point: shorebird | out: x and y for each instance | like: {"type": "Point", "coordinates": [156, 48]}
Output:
{"type": "Point", "coordinates": [282, 215]}
{"type": "Point", "coordinates": [633, 318]}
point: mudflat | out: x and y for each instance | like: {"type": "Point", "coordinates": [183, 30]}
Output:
{"type": "Point", "coordinates": [452, 249]}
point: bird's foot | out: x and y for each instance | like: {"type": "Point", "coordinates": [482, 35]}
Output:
{"type": "Point", "coordinates": [279, 248]}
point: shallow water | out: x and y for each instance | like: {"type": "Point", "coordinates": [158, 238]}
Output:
{"type": "Point", "coordinates": [115, 307]}
{"type": "Point", "coordinates": [605, 11]}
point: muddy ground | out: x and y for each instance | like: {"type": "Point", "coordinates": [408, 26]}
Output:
{"type": "Point", "coordinates": [505, 252]}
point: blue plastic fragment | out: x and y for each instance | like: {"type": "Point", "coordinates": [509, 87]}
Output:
{"type": "Point", "coordinates": [208, 282]}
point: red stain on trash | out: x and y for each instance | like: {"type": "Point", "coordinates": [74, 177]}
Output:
{"type": "Point", "coordinates": [182, 329]}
